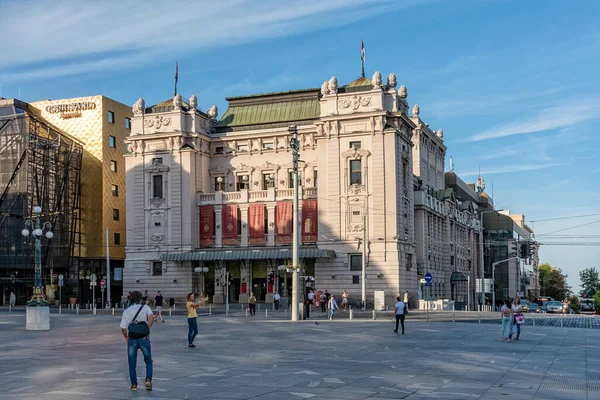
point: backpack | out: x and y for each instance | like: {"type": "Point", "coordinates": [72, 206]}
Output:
{"type": "Point", "coordinates": [138, 330]}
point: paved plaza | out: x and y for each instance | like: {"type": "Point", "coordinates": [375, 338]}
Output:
{"type": "Point", "coordinates": [83, 356]}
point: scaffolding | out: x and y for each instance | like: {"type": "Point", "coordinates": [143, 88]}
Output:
{"type": "Point", "coordinates": [39, 166]}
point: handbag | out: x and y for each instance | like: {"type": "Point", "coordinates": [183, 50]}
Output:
{"type": "Point", "coordinates": [138, 330]}
{"type": "Point", "coordinates": [519, 319]}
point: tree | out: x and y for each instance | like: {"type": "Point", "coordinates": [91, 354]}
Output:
{"type": "Point", "coordinates": [597, 299]}
{"type": "Point", "coordinates": [553, 282]}
{"type": "Point", "coordinates": [574, 303]}
{"type": "Point", "coordinates": [590, 281]}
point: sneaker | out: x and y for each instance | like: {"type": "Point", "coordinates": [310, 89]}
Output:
{"type": "Point", "coordinates": [148, 384]}
{"type": "Point", "coordinates": [191, 345]}
{"type": "Point", "coordinates": [134, 387]}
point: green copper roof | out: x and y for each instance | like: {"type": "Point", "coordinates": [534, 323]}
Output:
{"type": "Point", "coordinates": [362, 81]}
{"type": "Point", "coordinates": [270, 113]}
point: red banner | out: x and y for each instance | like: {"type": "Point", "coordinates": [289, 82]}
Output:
{"type": "Point", "coordinates": [230, 225]}
{"type": "Point", "coordinates": [283, 222]}
{"type": "Point", "coordinates": [256, 223]}
{"type": "Point", "coordinates": [310, 221]}
{"type": "Point", "coordinates": [207, 220]}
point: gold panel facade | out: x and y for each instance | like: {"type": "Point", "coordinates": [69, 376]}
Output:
{"type": "Point", "coordinates": [86, 118]}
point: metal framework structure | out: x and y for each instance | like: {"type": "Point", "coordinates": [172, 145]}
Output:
{"type": "Point", "coordinates": [39, 166]}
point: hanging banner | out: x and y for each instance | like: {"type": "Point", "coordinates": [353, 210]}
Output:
{"type": "Point", "coordinates": [283, 222]}
{"type": "Point", "coordinates": [310, 221]}
{"type": "Point", "coordinates": [230, 225]}
{"type": "Point", "coordinates": [207, 222]}
{"type": "Point", "coordinates": [256, 223]}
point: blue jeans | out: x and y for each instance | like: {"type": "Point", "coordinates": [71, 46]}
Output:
{"type": "Point", "coordinates": [132, 349]}
{"type": "Point", "coordinates": [192, 329]}
{"type": "Point", "coordinates": [516, 328]}
{"type": "Point", "coordinates": [506, 322]}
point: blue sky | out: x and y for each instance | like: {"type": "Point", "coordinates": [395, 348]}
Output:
{"type": "Point", "coordinates": [513, 84]}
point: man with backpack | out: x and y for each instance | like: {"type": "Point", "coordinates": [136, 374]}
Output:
{"type": "Point", "coordinates": [401, 312]}
{"type": "Point", "coordinates": [135, 326]}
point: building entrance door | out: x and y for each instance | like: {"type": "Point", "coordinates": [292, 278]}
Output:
{"type": "Point", "coordinates": [259, 280]}
{"type": "Point", "coordinates": [234, 288]}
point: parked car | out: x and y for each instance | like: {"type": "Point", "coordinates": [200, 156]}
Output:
{"type": "Point", "coordinates": [524, 306]}
{"type": "Point", "coordinates": [554, 307]}
{"type": "Point", "coordinates": [533, 307]}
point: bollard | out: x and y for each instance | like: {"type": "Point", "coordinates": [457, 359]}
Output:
{"type": "Point", "coordinates": [113, 311]}
{"type": "Point", "coordinates": [258, 307]}
{"type": "Point", "coordinates": [479, 316]}
{"type": "Point", "coordinates": [169, 311]}
{"type": "Point", "coordinates": [209, 309]}
{"type": "Point", "coordinates": [266, 311]}
{"type": "Point", "coordinates": [273, 306]}
{"type": "Point", "coordinates": [227, 312]}
{"type": "Point", "coordinates": [374, 315]}
{"type": "Point", "coordinates": [285, 315]}
{"type": "Point", "coordinates": [533, 319]}
{"type": "Point", "coordinates": [246, 313]}
{"type": "Point", "coordinates": [59, 309]}
{"type": "Point", "coordinates": [351, 312]}
{"type": "Point", "coordinates": [78, 309]}
{"type": "Point", "coordinates": [94, 310]}
{"type": "Point", "coordinates": [453, 313]}
{"type": "Point", "coordinates": [561, 321]}
{"type": "Point", "coordinates": [242, 309]}
{"type": "Point", "coordinates": [173, 306]}
{"type": "Point", "coordinates": [9, 308]}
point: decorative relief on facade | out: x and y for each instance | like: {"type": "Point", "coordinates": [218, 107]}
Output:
{"type": "Point", "coordinates": [356, 153]}
{"type": "Point", "coordinates": [157, 122]}
{"type": "Point", "coordinates": [139, 107]}
{"type": "Point", "coordinates": [356, 102]}
{"type": "Point", "coordinates": [355, 228]}
{"type": "Point", "coordinates": [157, 168]}
{"type": "Point", "coordinates": [157, 238]}
{"type": "Point", "coordinates": [218, 170]}
{"type": "Point", "coordinates": [157, 202]}
{"type": "Point", "coordinates": [356, 189]}
{"type": "Point", "coordinates": [243, 167]}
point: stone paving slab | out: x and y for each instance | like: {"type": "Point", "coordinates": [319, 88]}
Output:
{"type": "Point", "coordinates": [84, 356]}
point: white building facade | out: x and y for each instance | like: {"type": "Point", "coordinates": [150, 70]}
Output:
{"type": "Point", "coordinates": [216, 193]}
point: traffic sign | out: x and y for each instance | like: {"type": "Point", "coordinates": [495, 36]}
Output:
{"type": "Point", "coordinates": [12, 278]}
{"type": "Point", "coordinates": [93, 278]}
{"type": "Point", "coordinates": [423, 281]}
{"type": "Point", "coordinates": [61, 277]}
{"type": "Point", "coordinates": [428, 277]}
{"type": "Point", "coordinates": [103, 282]}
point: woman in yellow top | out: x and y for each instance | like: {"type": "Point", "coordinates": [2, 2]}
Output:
{"type": "Point", "coordinates": [252, 304]}
{"type": "Point", "coordinates": [193, 318]}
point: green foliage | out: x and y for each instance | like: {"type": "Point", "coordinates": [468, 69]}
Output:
{"type": "Point", "coordinates": [574, 303]}
{"type": "Point", "coordinates": [70, 291]}
{"type": "Point", "coordinates": [590, 281]}
{"type": "Point", "coordinates": [553, 282]}
{"type": "Point", "coordinates": [596, 297]}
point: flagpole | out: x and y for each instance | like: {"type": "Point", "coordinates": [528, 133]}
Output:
{"type": "Point", "coordinates": [176, 76]}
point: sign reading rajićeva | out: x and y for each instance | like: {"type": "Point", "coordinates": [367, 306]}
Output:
{"type": "Point", "coordinates": [71, 107]}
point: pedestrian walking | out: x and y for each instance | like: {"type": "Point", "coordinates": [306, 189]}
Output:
{"type": "Point", "coordinates": [276, 300]}
{"type": "Point", "coordinates": [323, 301]}
{"type": "Point", "coordinates": [516, 315]}
{"type": "Point", "coordinates": [506, 315]}
{"type": "Point", "coordinates": [252, 305]}
{"type": "Point", "coordinates": [401, 310]}
{"type": "Point", "coordinates": [128, 303]}
{"type": "Point", "coordinates": [344, 300]}
{"type": "Point", "coordinates": [332, 305]}
{"type": "Point", "coordinates": [135, 326]}
{"type": "Point", "coordinates": [158, 304]}
{"type": "Point", "coordinates": [311, 299]}
{"type": "Point", "coordinates": [146, 298]}
{"type": "Point", "coordinates": [12, 300]}
{"type": "Point", "coordinates": [193, 317]}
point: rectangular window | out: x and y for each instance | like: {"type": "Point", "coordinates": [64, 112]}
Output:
{"type": "Point", "coordinates": [242, 147]}
{"type": "Point", "coordinates": [356, 172]}
{"type": "Point", "coordinates": [117, 238]}
{"type": "Point", "coordinates": [111, 117]}
{"type": "Point", "coordinates": [112, 142]}
{"type": "Point", "coordinates": [451, 260]}
{"type": "Point", "coordinates": [356, 279]}
{"type": "Point", "coordinates": [291, 179]}
{"type": "Point", "coordinates": [315, 178]}
{"type": "Point", "coordinates": [115, 190]}
{"type": "Point", "coordinates": [156, 268]}
{"type": "Point", "coordinates": [157, 160]}
{"type": "Point", "coordinates": [157, 185]}
{"type": "Point", "coordinates": [128, 123]}
{"type": "Point", "coordinates": [268, 181]}
{"type": "Point", "coordinates": [267, 145]}
{"type": "Point", "coordinates": [356, 262]}
{"type": "Point", "coordinates": [115, 214]}
{"type": "Point", "coordinates": [355, 144]}
{"type": "Point", "coordinates": [219, 150]}
{"type": "Point", "coordinates": [113, 165]}
{"type": "Point", "coordinates": [243, 182]}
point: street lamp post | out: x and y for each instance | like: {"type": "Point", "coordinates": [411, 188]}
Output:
{"type": "Point", "coordinates": [295, 146]}
{"type": "Point", "coordinates": [37, 234]}
{"type": "Point", "coordinates": [282, 269]}
{"type": "Point", "coordinates": [203, 271]}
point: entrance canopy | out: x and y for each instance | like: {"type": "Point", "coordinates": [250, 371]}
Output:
{"type": "Point", "coordinates": [247, 254]}
{"type": "Point", "coordinates": [458, 277]}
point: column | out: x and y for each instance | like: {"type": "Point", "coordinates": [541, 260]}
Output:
{"type": "Point", "coordinates": [271, 222]}
{"type": "Point", "coordinates": [218, 227]}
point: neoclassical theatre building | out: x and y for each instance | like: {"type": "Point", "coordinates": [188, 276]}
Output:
{"type": "Point", "coordinates": [215, 191]}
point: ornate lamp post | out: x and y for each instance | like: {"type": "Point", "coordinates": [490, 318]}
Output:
{"type": "Point", "coordinates": [295, 146]}
{"type": "Point", "coordinates": [37, 233]}
{"type": "Point", "coordinates": [283, 269]}
{"type": "Point", "coordinates": [203, 271]}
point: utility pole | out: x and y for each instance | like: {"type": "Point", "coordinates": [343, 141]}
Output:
{"type": "Point", "coordinates": [364, 263]}
{"type": "Point", "coordinates": [494, 280]}
{"type": "Point", "coordinates": [295, 145]}
{"type": "Point", "coordinates": [107, 271]}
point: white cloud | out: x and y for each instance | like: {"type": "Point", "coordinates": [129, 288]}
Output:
{"type": "Point", "coordinates": [513, 168]}
{"type": "Point", "coordinates": [548, 119]}
{"type": "Point", "coordinates": [70, 33]}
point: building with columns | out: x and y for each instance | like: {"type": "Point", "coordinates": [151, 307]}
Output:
{"type": "Point", "coordinates": [204, 191]}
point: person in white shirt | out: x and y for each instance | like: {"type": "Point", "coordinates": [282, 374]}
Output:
{"type": "Point", "coordinates": [400, 308]}
{"type": "Point", "coordinates": [516, 310]}
{"type": "Point", "coordinates": [276, 300]}
{"type": "Point", "coordinates": [144, 314]}
{"type": "Point", "coordinates": [311, 299]}
{"type": "Point", "coordinates": [332, 305]}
